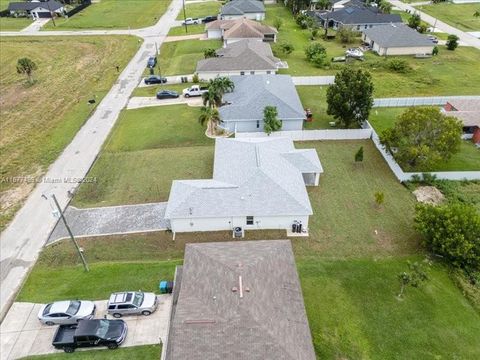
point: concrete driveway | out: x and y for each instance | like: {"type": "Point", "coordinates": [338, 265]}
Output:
{"type": "Point", "coordinates": [141, 102]}
{"type": "Point", "coordinates": [21, 334]}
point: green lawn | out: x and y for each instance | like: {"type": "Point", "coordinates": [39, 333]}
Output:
{"type": "Point", "coordinates": [39, 120]}
{"type": "Point", "coordinates": [199, 10]}
{"type": "Point", "coordinates": [148, 149]}
{"type": "Point", "coordinates": [13, 24]}
{"type": "Point", "coordinates": [467, 159]}
{"type": "Point", "coordinates": [192, 29]}
{"type": "Point", "coordinates": [145, 352]}
{"type": "Point", "coordinates": [354, 312]}
{"type": "Point", "coordinates": [315, 99]}
{"type": "Point", "coordinates": [151, 91]}
{"type": "Point", "coordinates": [114, 14]}
{"type": "Point", "coordinates": [434, 76]}
{"type": "Point", "coordinates": [180, 57]}
{"type": "Point", "coordinates": [457, 15]}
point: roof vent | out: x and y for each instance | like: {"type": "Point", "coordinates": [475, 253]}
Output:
{"type": "Point", "coordinates": [247, 289]}
{"type": "Point", "coordinates": [234, 289]}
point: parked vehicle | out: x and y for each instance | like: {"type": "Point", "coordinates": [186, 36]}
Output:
{"type": "Point", "coordinates": [195, 90]}
{"type": "Point", "coordinates": [155, 79]}
{"type": "Point", "coordinates": [433, 38]}
{"type": "Point", "coordinates": [152, 62]}
{"type": "Point", "coordinates": [208, 19]}
{"type": "Point", "coordinates": [191, 21]}
{"type": "Point", "coordinates": [167, 94]}
{"type": "Point", "coordinates": [354, 53]}
{"type": "Point", "coordinates": [66, 312]}
{"type": "Point", "coordinates": [131, 303]}
{"type": "Point", "coordinates": [89, 333]}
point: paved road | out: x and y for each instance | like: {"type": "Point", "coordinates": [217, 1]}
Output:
{"type": "Point", "coordinates": [111, 220]}
{"type": "Point", "coordinates": [463, 36]}
{"type": "Point", "coordinates": [23, 239]}
{"type": "Point", "coordinates": [21, 333]}
{"type": "Point", "coordinates": [142, 102]}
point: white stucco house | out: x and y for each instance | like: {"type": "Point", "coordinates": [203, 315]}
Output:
{"type": "Point", "coordinates": [36, 8]}
{"type": "Point", "coordinates": [258, 183]}
{"type": "Point", "coordinates": [397, 39]}
{"type": "Point", "coordinates": [231, 31]}
{"type": "Point", "coordinates": [237, 9]}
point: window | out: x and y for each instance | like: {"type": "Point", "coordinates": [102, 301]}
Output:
{"type": "Point", "coordinates": [242, 72]}
{"type": "Point", "coordinates": [111, 307]}
{"type": "Point", "coordinates": [258, 124]}
{"type": "Point", "coordinates": [252, 72]}
{"type": "Point", "coordinates": [269, 72]}
{"type": "Point", "coordinates": [249, 220]}
{"type": "Point", "coordinates": [125, 306]}
{"type": "Point", "coordinates": [73, 307]}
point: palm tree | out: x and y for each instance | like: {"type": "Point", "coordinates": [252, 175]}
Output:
{"type": "Point", "coordinates": [224, 84]}
{"type": "Point", "coordinates": [212, 98]}
{"type": "Point", "coordinates": [385, 7]}
{"type": "Point", "coordinates": [26, 66]}
{"type": "Point", "coordinates": [210, 116]}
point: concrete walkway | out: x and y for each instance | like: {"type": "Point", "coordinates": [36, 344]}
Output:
{"type": "Point", "coordinates": [35, 25]}
{"type": "Point", "coordinates": [112, 220]}
{"type": "Point", "coordinates": [463, 36]}
{"type": "Point", "coordinates": [21, 334]}
{"type": "Point", "coordinates": [22, 240]}
{"type": "Point", "coordinates": [186, 37]}
{"type": "Point", "coordinates": [142, 102]}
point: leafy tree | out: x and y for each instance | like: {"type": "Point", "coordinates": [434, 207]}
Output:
{"type": "Point", "coordinates": [323, 4]}
{"type": "Point", "coordinates": [278, 23]}
{"type": "Point", "coordinates": [379, 198]}
{"type": "Point", "coordinates": [304, 21]}
{"type": "Point", "coordinates": [435, 51]}
{"type": "Point", "coordinates": [209, 53]}
{"type": "Point", "coordinates": [195, 78]}
{"type": "Point", "coordinates": [414, 21]}
{"type": "Point", "coordinates": [422, 28]}
{"type": "Point", "coordinates": [316, 53]}
{"type": "Point", "coordinates": [286, 48]}
{"type": "Point", "coordinates": [346, 35]}
{"type": "Point", "coordinates": [451, 230]}
{"type": "Point", "coordinates": [385, 7]}
{"type": "Point", "coordinates": [210, 116]}
{"type": "Point", "coordinates": [270, 119]}
{"type": "Point", "coordinates": [26, 66]}
{"type": "Point", "coordinates": [359, 155]}
{"type": "Point", "coordinates": [314, 32]}
{"type": "Point", "coordinates": [415, 276]}
{"type": "Point", "coordinates": [297, 5]}
{"type": "Point", "coordinates": [452, 42]}
{"type": "Point", "coordinates": [350, 97]}
{"type": "Point", "coordinates": [422, 137]}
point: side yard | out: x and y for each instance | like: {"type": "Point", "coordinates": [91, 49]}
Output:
{"type": "Point", "coordinates": [460, 16]}
{"type": "Point", "coordinates": [201, 9]}
{"type": "Point", "coordinates": [39, 120]}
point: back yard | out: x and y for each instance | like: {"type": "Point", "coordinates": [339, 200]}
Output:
{"type": "Point", "coordinates": [39, 120]}
{"type": "Point", "coordinates": [460, 16]}
{"type": "Point", "coordinates": [434, 76]}
{"type": "Point", "coordinates": [114, 14]}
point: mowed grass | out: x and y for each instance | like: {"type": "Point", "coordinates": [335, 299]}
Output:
{"type": "Point", "coordinates": [191, 29]}
{"type": "Point", "coordinates": [13, 24]}
{"type": "Point", "coordinates": [354, 312]}
{"type": "Point", "coordinates": [315, 99]}
{"type": "Point", "coordinates": [151, 91]}
{"type": "Point", "coordinates": [114, 14]}
{"type": "Point", "coordinates": [180, 57]}
{"type": "Point", "coordinates": [440, 75]}
{"type": "Point", "coordinates": [457, 15]}
{"type": "Point", "coordinates": [199, 10]}
{"type": "Point", "coordinates": [467, 159]}
{"type": "Point", "coordinates": [147, 150]}
{"type": "Point", "coordinates": [38, 121]}
{"type": "Point", "coordinates": [145, 352]}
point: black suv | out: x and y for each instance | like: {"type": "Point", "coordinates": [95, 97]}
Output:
{"type": "Point", "coordinates": [155, 79]}
{"type": "Point", "coordinates": [88, 333]}
{"type": "Point", "coordinates": [208, 19]}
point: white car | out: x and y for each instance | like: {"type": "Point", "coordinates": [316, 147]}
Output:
{"type": "Point", "coordinates": [66, 312]}
{"type": "Point", "coordinates": [190, 21]}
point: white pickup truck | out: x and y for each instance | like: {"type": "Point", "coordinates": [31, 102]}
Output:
{"type": "Point", "coordinates": [194, 90]}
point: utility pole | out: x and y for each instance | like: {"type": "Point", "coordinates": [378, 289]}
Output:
{"type": "Point", "coordinates": [158, 64]}
{"type": "Point", "coordinates": [80, 251]}
{"type": "Point", "coordinates": [185, 17]}
{"type": "Point", "coordinates": [51, 14]}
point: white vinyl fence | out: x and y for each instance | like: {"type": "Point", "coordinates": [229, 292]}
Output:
{"type": "Point", "coordinates": [418, 101]}
{"type": "Point", "coordinates": [313, 80]}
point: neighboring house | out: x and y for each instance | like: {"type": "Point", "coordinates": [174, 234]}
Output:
{"type": "Point", "coordinates": [356, 17]}
{"type": "Point", "coordinates": [237, 9]}
{"type": "Point", "coordinates": [468, 112]}
{"type": "Point", "coordinates": [36, 9]}
{"type": "Point", "coordinates": [245, 57]}
{"type": "Point", "coordinates": [238, 300]}
{"type": "Point", "coordinates": [465, 1]}
{"type": "Point", "coordinates": [397, 39]}
{"type": "Point", "coordinates": [243, 109]}
{"type": "Point", "coordinates": [258, 183]}
{"type": "Point", "coordinates": [231, 31]}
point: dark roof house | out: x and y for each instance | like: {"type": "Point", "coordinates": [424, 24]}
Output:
{"type": "Point", "coordinates": [252, 9]}
{"type": "Point", "coordinates": [239, 300]}
{"type": "Point", "coordinates": [29, 6]}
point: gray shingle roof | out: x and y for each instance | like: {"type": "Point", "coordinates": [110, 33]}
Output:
{"type": "Point", "coordinates": [359, 15]}
{"type": "Point", "coordinates": [397, 35]}
{"type": "Point", "coordinates": [241, 55]}
{"type": "Point", "coordinates": [240, 7]}
{"type": "Point", "coordinates": [254, 92]}
{"type": "Point", "coordinates": [213, 322]}
{"type": "Point", "coordinates": [28, 5]}
{"type": "Point", "coordinates": [251, 177]}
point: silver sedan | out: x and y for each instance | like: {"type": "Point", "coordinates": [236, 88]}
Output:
{"type": "Point", "coordinates": [66, 312]}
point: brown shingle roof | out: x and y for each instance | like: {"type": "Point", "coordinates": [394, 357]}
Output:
{"type": "Point", "coordinates": [212, 321]}
{"type": "Point", "coordinates": [241, 28]}
{"type": "Point", "coordinates": [466, 110]}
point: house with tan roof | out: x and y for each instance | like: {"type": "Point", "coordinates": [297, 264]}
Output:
{"type": "Point", "coordinates": [244, 57]}
{"type": "Point", "coordinates": [468, 112]}
{"type": "Point", "coordinates": [231, 31]}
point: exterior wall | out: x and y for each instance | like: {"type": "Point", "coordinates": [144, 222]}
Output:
{"type": "Point", "coordinates": [251, 16]}
{"type": "Point", "coordinates": [251, 126]}
{"type": "Point", "coordinates": [234, 40]}
{"type": "Point", "coordinates": [213, 75]}
{"type": "Point", "coordinates": [465, 1]}
{"type": "Point", "coordinates": [476, 136]}
{"type": "Point", "coordinates": [228, 223]}
{"type": "Point", "coordinates": [409, 50]}
{"type": "Point", "coordinates": [214, 34]}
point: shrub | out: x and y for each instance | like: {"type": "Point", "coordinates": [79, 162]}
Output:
{"type": "Point", "coordinates": [195, 78]}
{"type": "Point", "coordinates": [452, 42]}
{"type": "Point", "coordinates": [398, 65]}
{"type": "Point", "coordinates": [316, 54]}
{"type": "Point", "coordinates": [346, 35]}
{"type": "Point", "coordinates": [277, 23]}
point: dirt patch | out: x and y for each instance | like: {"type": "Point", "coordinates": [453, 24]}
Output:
{"type": "Point", "coordinates": [429, 195]}
{"type": "Point", "coordinates": [383, 240]}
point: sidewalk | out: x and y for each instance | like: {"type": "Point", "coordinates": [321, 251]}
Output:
{"type": "Point", "coordinates": [142, 102]}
